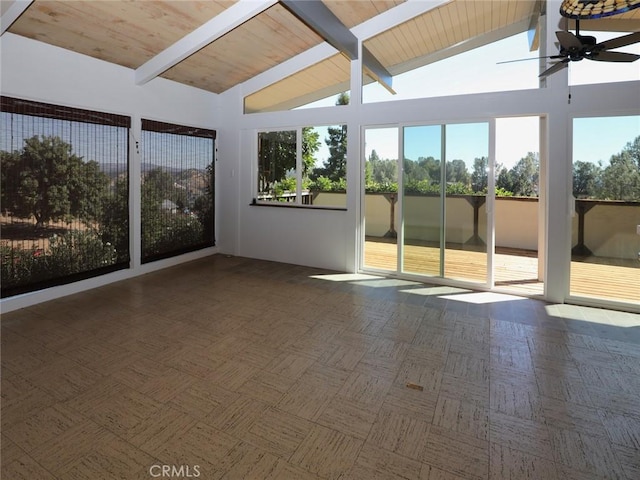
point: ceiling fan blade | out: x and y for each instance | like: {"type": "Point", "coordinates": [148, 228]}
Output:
{"type": "Point", "coordinates": [614, 57]}
{"type": "Point", "coordinates": [620, 41]}
{"type": "Point", "coordinates": [568, 40]}
{"type": "Point", "coordinates": [532, 58]}
{"type": "Point", "coordinates": [555, 68]}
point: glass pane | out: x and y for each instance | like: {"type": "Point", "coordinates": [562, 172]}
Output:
{"type": "Point", "coordinates": [606, 185]}
{"type": "Point", "coordinates": [450, 73]}
{"type": "Point", "coordinates": [516, 206]}
{"type": "Point", "coordinates": [466, 147]}
{"type": "Point", "coordinates": [64, 186]}
{"type": "Point", "coordinates": [277, 175]}
{"type": "Point", "coordinates": [324, 156]}
{"type": "Point", "coordinates": [422, 222]}
{"type": "Point", "coordinates": [381, 199]}
{"type": "Point", "coordinates": [176, 194]}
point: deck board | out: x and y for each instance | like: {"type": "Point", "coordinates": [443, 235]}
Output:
{"type": "Point", "coordinates": [517, 272]}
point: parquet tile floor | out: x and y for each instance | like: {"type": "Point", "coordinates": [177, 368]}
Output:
{"type": "Point", "coordinates": [232, 368]}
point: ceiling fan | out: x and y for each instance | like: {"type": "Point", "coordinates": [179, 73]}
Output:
{"type": "Point", "coordinates": [576, 47]}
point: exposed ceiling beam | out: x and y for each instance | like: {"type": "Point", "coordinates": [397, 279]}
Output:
{"type": "Point", "coordinates": [380, 23]}
{"type": "Point", "coordinates": [12, 13]}
{"type": "Point", "coordinates": [223, 23]}
{"type": "Point", "coordinates": [319, 18]}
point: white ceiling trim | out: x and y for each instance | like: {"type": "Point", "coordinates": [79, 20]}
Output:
{"type": "Point", "coordinates": [215, 28]}
{"type": "Point", "coordinates": [382, 22]}
{"type": "Point", "coordinates": [13, 12]}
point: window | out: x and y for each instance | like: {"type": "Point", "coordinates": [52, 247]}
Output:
{"type": "Point", "coordinates": [305, 166]}
{"type": "Point", "coordinates": [606, 188]}
{"type": "Point", "coordinates": [65, 188]}
{"type": "Point", "coordinates": [177, 189]}
{"type": "Point", "coordinates": [476, 70]}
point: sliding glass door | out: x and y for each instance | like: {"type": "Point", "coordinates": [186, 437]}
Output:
{"type": "Point", "coordinates": [430, 219]}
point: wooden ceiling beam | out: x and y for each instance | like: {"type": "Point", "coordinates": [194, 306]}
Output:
{"type": "Point", "coordinates": [232, 17]}
{"type": "Point", "coordinates": [12, 13]}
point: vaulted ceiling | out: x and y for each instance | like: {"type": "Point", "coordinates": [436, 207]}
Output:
{"type": "Point", "coordinates": [217, 44]}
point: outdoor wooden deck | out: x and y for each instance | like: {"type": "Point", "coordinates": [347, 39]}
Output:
{"type": "Point", "coordinates": [517, 272]}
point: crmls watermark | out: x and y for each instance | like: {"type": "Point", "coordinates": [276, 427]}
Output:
{"type": "Point", "coordinates": [174, 471]}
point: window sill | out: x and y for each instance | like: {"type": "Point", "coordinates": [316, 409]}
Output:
{"type": "Point", "coordinates": [295, 205]}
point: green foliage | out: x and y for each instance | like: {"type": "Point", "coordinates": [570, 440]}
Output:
{"type": "Point", "coordinates": [587, 179]}
{"type": "Point", "coordinates": [501, 192]}
{"type": "Point", "coordinates": [114, 224]}
{"type": "Point", "coordinates": [203, 206]}
{"type": "Point", "coordinates": [46, 181]}
{"type": "Point", "coordinates": [167, 232]}
{"type": "Point", "coordinates": [73, 252]}
{"type": "Point", "coordinates": [480, 175]}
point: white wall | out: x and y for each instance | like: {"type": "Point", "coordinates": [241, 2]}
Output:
{"type": "Point", "coordinates": [36, 71]}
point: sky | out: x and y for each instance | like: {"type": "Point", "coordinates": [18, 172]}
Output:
{"type": "Point", "coordinates": [515, 136]}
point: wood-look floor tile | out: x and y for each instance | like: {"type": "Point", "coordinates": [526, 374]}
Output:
{"type": "Point", "coordinates": [63, 378]}
{"type": "Point", "coordinates": [232, 374]}
{"type": "Point", "coordinates": [607, 378]}
{"type": "Point", "coordinates": [516, 399]}
{"type": "Point", "coordinates": [419, 372]}
{"type": "Point", "coordinates": [43, 426]}
{"type": "Point", "coordinates": [509, 464]}
{"type": "Point", "coordinates": [464, 389]}
{"type": "Point", "coordinates": [111, 458]}
{"type": "Point", "coordinates": [342, 356]}
{"type": "Point", "coordinates": [202, 398]}
{"type": "Point", "coordinates": [411, 402]}
{"type": "Point", "coordinates": [351, 418]}
{"type": "Point", "coordinates": [21, 398]}
{"type": "Point", "coordinates": [195, 361]}
{"type": "Point", "coordinates": [462, 417]}
{"type": "Point", "coordinates": [289, 365]}
{"type": "Point", "coordinates": [470, 367]}
{"type": "Point", "coordinates": [584, 453]}
{"type": "Point", "coordinates": [520, 434]}
{"type": "Point", "coordinates": [24, 468]}
{"type": "Point", "coordinates": [238, 417]}
{"type": "Point", "coordinates": [365, 389]}
{"type": "Point", "coordinates": [400, 329]}
{"type": "Point", "coordinates": [618, 402]}
{"type": "Point", "coordinates": [201, 445]}
{"type": "Point", "coordinates": [402, 434]}
{"type": "Point", "coordinates": [433, 338]}
{"type": "Point", "coordinates": [71, 445]}
{"type": "Point", "coordinates": [326, 452]}
{"type": "Point", "coordinates": [9, 451]}
{"type": "Point", "coordinates": [277, 432]}
{"type": "Point", "coordinates": [462, 455]}
{"type": "Point", "coordinates": [284, 470]}
{"type": "Point", "coordinates": [570, 416]}
{"type": "Point", "coordinates": [167, 386]}
{"type": "Point", "coordinates": [122, 412]}
{"type": "Point", "coordinates": [629, 460]}
{"type": "Point", "coordinates": [155, 431]}
{"type": "Point", "coordinates": [101, 357]}
{"type": "Point", "coordinates": [374, 462]}
{"type": "Point", "coordinates": [245, 461]}
{"type": "Point", "coordinates": [429, 472]}
{"type": "Point", "coordinates": [512, 357]}
{"type": "Point", "coordinates": [565, 389]}
{"type": "Point", "coordinates": [622, 430]}
{"type": "Point", "coordinates": [309, 396]}
{"type": "Point", "coordinates": [266, 387]}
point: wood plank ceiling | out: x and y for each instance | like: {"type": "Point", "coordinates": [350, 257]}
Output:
{"type": "Point", "coordinates": [130, 33]}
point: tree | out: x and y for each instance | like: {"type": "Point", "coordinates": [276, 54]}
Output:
{"type": "Point", "coordinates": [47, 181]}
{"type": "Point", "coordinates": [621, 178]}
{"type": "Point", "coordinates": [524, 176]}
{"type": "Point", "coordinates": [479, 176]}
{"type": "Point", "coordinates": [457, 172]}
{"type": "Point", "coordinates": [335, 167]}
{"type": "Point", "coordinates": [587, 179]}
